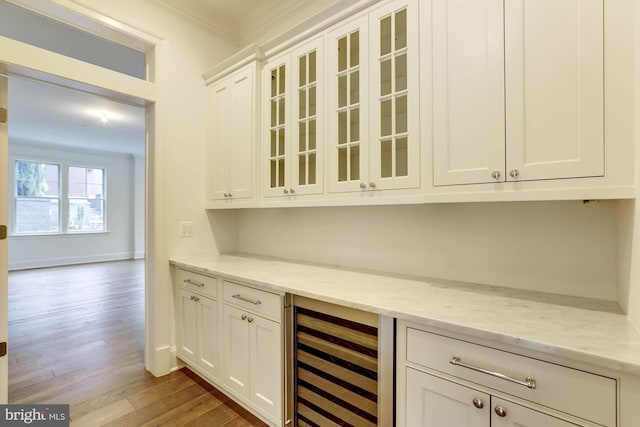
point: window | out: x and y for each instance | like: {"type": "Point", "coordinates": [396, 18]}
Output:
{"type": "Point", "coordinates": [37, 197]}
{"type": "Point", "coordinates": [86, 199]}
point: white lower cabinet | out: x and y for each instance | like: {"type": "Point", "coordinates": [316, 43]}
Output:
{"type": "Point", "coordinates": [253, 351]}
{"type": "Point", "coordinates": [197, 338]}
{"type": "Point", "coordinates": [448, 382]}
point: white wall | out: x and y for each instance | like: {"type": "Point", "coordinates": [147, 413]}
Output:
{"type": "Point", "coordinates": [63, 249]}
{"type": "Point", "coordinates": [138, 206]}
{"type": "Point", "coordinates": [560, 247]}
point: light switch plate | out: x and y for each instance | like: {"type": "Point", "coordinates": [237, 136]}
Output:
{"type": "Point", "coordinates": [186, 228]}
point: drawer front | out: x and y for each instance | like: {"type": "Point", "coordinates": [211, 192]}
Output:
{"type": "Point", "coordinates": [582, 394]}
{"type": "Point", "coordinates": [254, 300]}
{"type": "Point", "coordinates": [198, 283]}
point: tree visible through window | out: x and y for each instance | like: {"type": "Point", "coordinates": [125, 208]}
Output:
{"type": "Point", "coordinates": [37, 197]}
{"type": "Point", "coordinates": [86, 199]}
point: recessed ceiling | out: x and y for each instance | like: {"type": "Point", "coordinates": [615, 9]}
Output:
{"type": "Point", "coordinates": [48, 114]}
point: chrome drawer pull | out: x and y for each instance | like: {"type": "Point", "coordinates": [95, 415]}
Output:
{"type": "Point", "coordinates": [528, 382]}
{"type": "Point", "coordinates": [191, 282]}
{"type": "Point", "coordinates": [241, 298]}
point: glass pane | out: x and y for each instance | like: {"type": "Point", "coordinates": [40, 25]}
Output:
{"type": "Point", "coordinates": [342, 91]}
{"type": "Point", "coordinates": [272, 169]}
{"type": "Point", "coordinates": [385, 77]}
{"type": "Point", "coordinates": [386, 158]}
{"type": "Point", "coordinates": [302, 104]}
{"type": "Point", "coordinates": [354, 49]}
{"type": "Point", "coordinates": [312, 135]}
{"type": "Point", "coordinates": [385, 36]}
{"type": "Point", "coordinates": [37, 179]}
{"type": "Point", "coordinates": [302, 136]}
{"type": "Point", "coordinates": [281, 173]}
{"type": "Point", "coordinates": [37, 215]}
{"type": "Point", "coordinates": [94, 191]}
{"type": "Point", "coordinates": [281, 80]}
{"type": "Point", "coordinates": [401, 114]}
{"type": "Point", "coordinates": [77, 182]}
{"type": "Point", "coordinates": [354, 125]}
{"type": "Point", "coordinates": [302, 170]}
{"type": "Point", "coordinates": [354, 94]}
{"type": "Point", "coordinates": [302, 74]}
{"type": "Point", "coordinates": [385, 118]}
{"type": "Point", "coordinates": [85, 215]}
{"type": "Point", "coordinates": [274, 82]}
{"type": "Point", "coordinates": [281, 142]}
{"type": "Point", "coordinates": [274, 113]}
{"type": "Point", "coordinates": [312, 101]}
{"type": "Point", "coordinates": [401, 29]}
{"type": "Point", "coordinates": [342, 164]}
{"type": "Point", "coordinates": [312, 67]}
{"type": "Point", "coordinates": [274, 145]}
{"type": "Point", "coordinates": [312, 168]}
{"type": "Point", "coordinates": [94, 176]}
{"type": "Point", "coordinates": [342, 54]}
{"type": "Point", "coordinates": [355, 162]}
{"type": "Point", "coordinates": [281, 111]}
{"type": "Point", "coordinates": [401, 73]}
{"type": "Point", "coordinates": [402, 155]}
{"type": "Point", "coordinates": [342, 127]}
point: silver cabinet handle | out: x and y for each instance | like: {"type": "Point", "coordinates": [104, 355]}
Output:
{"type": "Point", "coordinates": [501, 411]}
{"type": "Point", "coordinates": [244, 317]}
{"type": "Point", "coordinates": [363, 185]}
{"type": "Point", "coordinates": [528, 382]}
{"type": "Point", "coordinates": [230, 195]}
{"type": "Point", "coordinates": [194, 298]}
{"type": "Point", "coordinates": [285, 191]}
{"type": "Point", "coordinates": [478, 403]}
{"type": "Point", "coordinates": [250, 319]}
{"type": "Point", "coordinates": [514, 173]}
{"type": "Point", "coordinates": [372, 184]}
{"type": "Point", "coordinates": [245, 299]}
{"type": "Point", "coordinates": [292, 191]}
{"type": "Point", "coordinates": [495, 175]}
{"type": "Point", "coordinates": [191, 282]}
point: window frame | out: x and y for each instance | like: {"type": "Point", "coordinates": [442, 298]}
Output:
{"type": "Point", "coordinates": [16, 197]}
{"type": "Point", "coordinates": [63, 195]}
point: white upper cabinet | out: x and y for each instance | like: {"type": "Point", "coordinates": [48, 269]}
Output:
{"type": "Point", "coordinates": [373, 101]}
{"type": "Point", "coordinates": [293, 142]}
{"type": "Point", "coordinates": [231, 141]}
{"type": "Point", "coordinates": [518, 90]}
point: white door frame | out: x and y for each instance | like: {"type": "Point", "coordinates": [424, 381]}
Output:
{"type": "Point", "coordinates": [4, 178]}
{"type": "Point", "coordinates": [18, 58]}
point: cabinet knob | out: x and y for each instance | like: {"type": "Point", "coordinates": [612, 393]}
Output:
{"type": "Point", "coordinates": [500, 411]}
{"type": "Point", "coordinates": [372, 184]}
{"type": "Point", "coordinates": [226, 194]}
{"type": "Point", "coordinates": [478, 403]}
{"type": "Point", "coordinates": [495, 175]}
{"type": "Point", "coordinates": [230, 195]}
{"type": "Point", "coordinates": [292, 191]}
{"type": "Point", "coordinates": [514, 173]}
{"type": "Point", "coordinates": [363, 185]}
{"type": "Point", "coordinates": [285, 191]}
{"type": "Point", "coordinates": [250, 319]}
{"type": "Point", "coordinates": [244, 317]}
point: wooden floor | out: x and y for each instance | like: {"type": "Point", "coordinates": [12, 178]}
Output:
{"type": "Point", "coordinates": [76, 336]}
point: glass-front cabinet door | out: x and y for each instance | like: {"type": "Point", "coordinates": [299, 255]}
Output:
{"type": "Point", "coordinates": [347, 94]}
{"type": "Point", "coordinates": [275, 80]}
{"type": "Point", "coordinates": [307, 119]}
{"type": "Point", "coordinates": [395, 140]}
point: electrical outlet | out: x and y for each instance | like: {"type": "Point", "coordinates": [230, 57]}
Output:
{"type": "Point", "coordinates": [186, 228]}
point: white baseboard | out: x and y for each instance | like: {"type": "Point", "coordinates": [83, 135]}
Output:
{"type": "Point", "coordinates": [56, 262]}
{"type": "Point", "coordinates": [138, 255]}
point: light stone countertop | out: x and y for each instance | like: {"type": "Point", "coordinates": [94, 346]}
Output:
{"type": "Point", "coordinates": [580, 329]}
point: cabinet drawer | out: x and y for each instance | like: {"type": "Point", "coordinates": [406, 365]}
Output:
{"type": "Point", "coordinates": [582, 394]}
{"type": "Point", "coordinates": [198, 283]}
{"type": "Point", "coordinates": [253, 300]}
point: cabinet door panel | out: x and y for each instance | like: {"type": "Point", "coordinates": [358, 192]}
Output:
{"type": "Point", "coordinates": [218, 141]}
{"type": "Point", "coordinates": [468, 91]}
{"type": "Point", "coordinates": [208, 336]}
{"type": "Point", "coordinates": [434, 402]}
{"type": "Point", "coordinates": [395, 139]}
{"type": "Point", "coordinates": [187, 326]}
{"type": "Point", "coordinates": [554, 62]}
{"type": "Point", "coordinates": [242, 106]}
{"type": "Point", "coordinates": [266, 377]}
{"type": "Point", "coordinates": [236, 351]}
{"type": "Point", "coordinates": [348, 100]}
{"type": "Point", "coordinates": [518, 416]}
